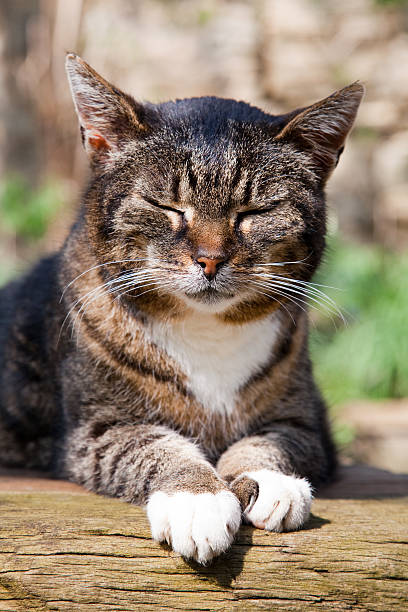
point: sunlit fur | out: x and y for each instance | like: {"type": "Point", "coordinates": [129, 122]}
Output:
{"type": "Point", "coordinates": [127, 368]}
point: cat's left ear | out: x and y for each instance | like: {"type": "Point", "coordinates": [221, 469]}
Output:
{"type": "Point", "coordinates": [322, 128]}
{"type": "Point", "coordinates": [108, 117]}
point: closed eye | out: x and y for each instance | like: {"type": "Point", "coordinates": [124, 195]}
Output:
{"type": "Point", "coordinates": [163, 206]}
{"type": "Point", "coordinates": [254, 211]}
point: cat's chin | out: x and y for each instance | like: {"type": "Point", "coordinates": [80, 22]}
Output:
{"type": "Point", "coordinates": [211, 301]}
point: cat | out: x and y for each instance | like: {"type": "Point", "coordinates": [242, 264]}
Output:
{"type": "Point", "coordinates": [161, 356]}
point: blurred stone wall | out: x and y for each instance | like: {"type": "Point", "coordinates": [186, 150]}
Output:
{"type": "Point", "coordinates": [279, 54]}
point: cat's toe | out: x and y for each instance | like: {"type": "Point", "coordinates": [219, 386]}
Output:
{"type": "Point", "coordinates": [198, 526]}
{"type": "Point", "coordinates": [283, 502]}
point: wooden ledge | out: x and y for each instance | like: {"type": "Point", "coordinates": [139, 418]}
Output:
{"type": "Point", "coordinates": [62, 548]}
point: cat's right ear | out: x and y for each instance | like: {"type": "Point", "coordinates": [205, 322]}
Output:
{"type": "Point", "coordinates": [321, 129]}
{"type": "Point", "coordinates": [108, 118]}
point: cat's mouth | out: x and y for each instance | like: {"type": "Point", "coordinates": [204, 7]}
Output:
{"type": "Point", "coordinates": [210, 300]}
{"type": "Point", "coordinates": [210, 295]}
{"type": "Point", "coordinates": [215, 295]}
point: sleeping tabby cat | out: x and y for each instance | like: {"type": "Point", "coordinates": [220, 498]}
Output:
{"type": "Point", "coordinates": [162, 355]}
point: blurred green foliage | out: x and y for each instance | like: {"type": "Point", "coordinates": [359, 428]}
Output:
{"type": "Point", "coordinates": [24, 212]}
{"type": "Point", "coordinates": [391, 2]}
{"type": "Point", "coordinates": [204, 16]}
{"type": "Point", "coordinates": [367, 357]}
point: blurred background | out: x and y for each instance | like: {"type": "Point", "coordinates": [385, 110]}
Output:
{"type": "Point", "coordinates": [276, 54]}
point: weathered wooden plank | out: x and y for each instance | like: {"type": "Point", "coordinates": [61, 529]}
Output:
{"type": "Point", "coordinates": [61, 549]}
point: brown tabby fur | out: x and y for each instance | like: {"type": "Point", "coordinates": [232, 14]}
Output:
{"type": "Point", "coordinates": [83, 388]}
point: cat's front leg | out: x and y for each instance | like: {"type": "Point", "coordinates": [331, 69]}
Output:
{"type": "Point", "coordinates": [271, 475]}
{"type": "Point", "coordinates": [187, 503]}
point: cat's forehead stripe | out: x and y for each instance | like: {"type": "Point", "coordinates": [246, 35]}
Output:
{"type": "Point", "coordinates": [236, 176]}
{"type": "Point", "coordinates": [175, 187]}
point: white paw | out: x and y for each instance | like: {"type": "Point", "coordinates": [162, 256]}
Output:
{"type": "Point", "coordinates": [283, 502]}
{"type": "Point", "coordinates": [199, 526]}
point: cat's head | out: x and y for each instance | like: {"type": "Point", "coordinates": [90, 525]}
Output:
{"type": "Point", "coordinates": [207, 203]}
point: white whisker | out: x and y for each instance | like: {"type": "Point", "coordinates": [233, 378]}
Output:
{"type": "Point", "coordinates": [292, 299]}
{"type": "Point", "coordinates": [276, 300]}
{"type": "Point", "coordinates": [82, 310]}
{"type": "Point", "coordinates": [96, 290]}
{"type": "Point", "coordinates": [311, 292]}
{"type": "Point", "coordinates": [285, 263]}
{"type": "Point", "coordinates": [296, 300]}
{"type": "Point", "coordinates": [112, 285]}
{"type": "Point", "coordinates": [108, 263]}
{"type": "Point", "coordinates": [296, 280]}
{"type": "Point", "coordinates": [158, 287]}
{"type": "Point", "coordinates": [304, 289]}
{"type": "Point", "coordinates": [275, 285]}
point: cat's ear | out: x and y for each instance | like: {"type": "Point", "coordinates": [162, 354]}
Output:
{"type": "Point", "coordinates": [322, 128]}
{"type": "Point", "coordinates": [108, 118]}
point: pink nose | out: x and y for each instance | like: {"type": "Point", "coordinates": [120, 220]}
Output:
{"type": "Point", "coordinates": [209, 265]}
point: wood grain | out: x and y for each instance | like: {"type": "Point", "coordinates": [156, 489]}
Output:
{"type": "Point", "coordinates": [61, 549]}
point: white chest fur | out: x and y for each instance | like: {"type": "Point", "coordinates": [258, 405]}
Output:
{"type": "Point", "coordinates": [216, 358]}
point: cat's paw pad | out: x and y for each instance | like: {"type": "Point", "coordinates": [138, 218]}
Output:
{"type": "Point", "coordinates": [198, 526]}
{"type": "Point", "coordinates": [278, 503]}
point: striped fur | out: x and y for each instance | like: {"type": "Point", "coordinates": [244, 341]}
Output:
{"type": "Point", "coordinates": [128, 368]}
